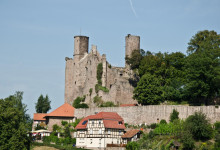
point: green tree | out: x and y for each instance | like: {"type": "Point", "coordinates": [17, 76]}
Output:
{"type": "Point", "coordinates": [174, 115]}
{"type": "Point", "coordinates": [135, 59]}
{"type": "Point", "coordinates": [198, 125]}
{"type": "Point", "coordinates": [148, 90]}
{"type": "Point", "coordinates": [56, 128]}
{"type": "Point", "coordinates": [13, 123]}
{"type": "Point", "coordinates": [168, 69]}
{"type": "Point", "coordinates": [43, 104]}
{"type": "Point", "coordinates": [203, 68]}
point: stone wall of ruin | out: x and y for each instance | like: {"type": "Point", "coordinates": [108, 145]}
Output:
{"type": "Point", "coordinates": [152, 113]}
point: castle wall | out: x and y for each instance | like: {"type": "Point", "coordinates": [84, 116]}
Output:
{"type": "Point", "coordinates": [69, 81]}
{"type": "Point", "coordinates": [81, 71]}
{"type": "Point", "coordinates": [152, 113]}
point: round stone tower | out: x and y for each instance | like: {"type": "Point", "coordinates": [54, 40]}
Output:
{"type": "Point", "coordinates": [132, 43]}
{"type": "Point", "coordinates": [81, 46]}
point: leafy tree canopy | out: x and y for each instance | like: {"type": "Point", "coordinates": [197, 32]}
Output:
{"type": "Point", "coordinates": [14, 123]}
{"type": "Point", "coordinates": [203, 68]}
{"type": "Point", "coordinates": [135, 59]}
{"type": "Point", "coordinates": [43, 104]}
{"type": "Point", "coordinates": [195, 78]}
{"type": "Point", "coordinates": [148, 90]}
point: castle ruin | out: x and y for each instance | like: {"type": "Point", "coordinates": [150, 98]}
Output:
{"type": "Point", "coordinates": [81, 74]}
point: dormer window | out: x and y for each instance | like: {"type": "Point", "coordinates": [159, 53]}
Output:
{"type": "Point", "coordinates": [120, 122]}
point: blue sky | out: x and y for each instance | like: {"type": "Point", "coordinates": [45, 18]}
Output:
{"type": "Point", "coordinates": [36, 36]}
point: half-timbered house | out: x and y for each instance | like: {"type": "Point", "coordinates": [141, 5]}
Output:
{"type": "Point", "coordinates": [99, 130]}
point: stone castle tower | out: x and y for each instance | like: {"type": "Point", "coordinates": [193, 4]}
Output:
{"type": "Point", "coordinates": [81, 74]}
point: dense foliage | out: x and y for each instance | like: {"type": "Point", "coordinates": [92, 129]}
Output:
{"type": "Point", "coordinates": [175, 77]}
{"type": "Point", "coordinates": [198, 125]}
{"type": "Point", "coordinates": [79, 102]}
{"type": "Point", "coordinates": [43, 104]}
{"type": "Point", "coordinates": [14, 123]}
{"type": "Point", "coordinates": [174, 115]}
{"type": "Point", "coordinates": [193, 133]}
{"type": "Point", "coordinates": [99, 73]}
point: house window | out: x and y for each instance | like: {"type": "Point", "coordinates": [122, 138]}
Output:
{"type": "Point", "coordinates": [81, 131]}
{"type": "Point", "coordinates": [100, 131]}
{"type": "Point", "coordinates": [90, 141]}
{"type": "Point", "coordinates": [120, 132]}
{"type": "Point", "coordinates": [109, 131]}
{"type": "Point", "coordinates": [91, 131]}
{"type": "Point", "coordinates": [92, 123]}
{"type": "Point", "coordinates": [99, 123]}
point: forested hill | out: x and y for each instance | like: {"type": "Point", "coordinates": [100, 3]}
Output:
{"type": "Point", "coordinates": [178, 78]}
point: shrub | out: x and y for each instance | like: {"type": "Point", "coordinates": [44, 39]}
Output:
{"type": "Point", "coordinates": [163, 121]}
{"type": "Point", "coordinates": [217, 141]}
{"type": "Point", "coordinates": [198, 125]}
{"type": "Point", "coordinates": [153, 125]}
{"type": "Point", "coordinates": [97, 100]}
{"type": "Point", "coordinates": [217, 126]}
{"type": "Point", "coordinates": [102, 88]}
{"type": "Point", "coordinates": [67, 132]}
{"type": "Point", "coordinates": [64, 123]}
{"type": "Point", "coordinates": [187, 140]}
{"type": "Point", "coordinates": [90, 91]}
{"type": "Point", "coordinates": [99, 73]}
{"type": "Point", "coordinates": [151, 134]}
{"type": "Point", "coordinates": [132, 146]}
{"type": "Point", "coordinates": [174, 115]}
{"type": "Point", "coordinates": [77, 102]}
{"type": "Point", "coordinates": [76, 122]}
{"type": "Point", "coordinates": [107, 104]}
{"type": "Point", "coordinates": [56, 128]}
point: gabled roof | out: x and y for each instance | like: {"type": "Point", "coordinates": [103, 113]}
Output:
{"type": "Point", "coordinates": [39, 116]}
{"type": "Point", "coordinates": [127, 105]}
{"type": "Point", "coordinates": [66, 110]}
{"type": "Point", "coordinates": [130, 134]}
{"type": "Point", "coordinates": [110, 120]}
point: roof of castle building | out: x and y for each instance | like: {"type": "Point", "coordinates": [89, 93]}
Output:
{"type": "Point", "coordinates": [39, 116]}
{"type": "Point", "coordinates": [130, 134]}
{"type": "Point", "coordinates": [110, 120]}
{"type": "Point", "coordinates": [65, 110]}
{"type": "Point", "coordinates": [127, 105]}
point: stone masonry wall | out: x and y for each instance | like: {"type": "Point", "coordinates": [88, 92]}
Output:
{"type": "Point", "coordinates": [152, 113]}
{"type": "Point", "coordinates": [57, 120]}
{"type": "Point", "coordinates": [81, 70]}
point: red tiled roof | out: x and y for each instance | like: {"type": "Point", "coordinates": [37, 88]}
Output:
{"type": "Point", "coordinates": [130, 134]}
{"type": "Point", "coordinates": [66, 110]}
{"type": "Point", "coordinates": [110, 119]}
{"type": "Point", "coordinates": [39, 116]}
{"type": "Point", "coordinates": [127, 105]}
